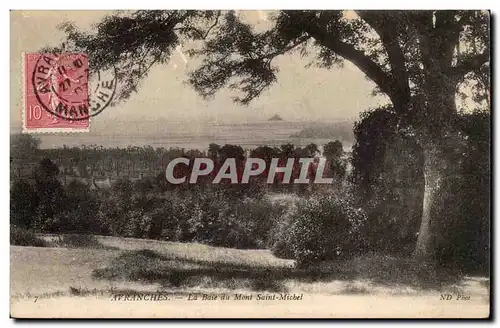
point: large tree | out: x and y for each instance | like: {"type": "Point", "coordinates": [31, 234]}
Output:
{"type": "Point", "coordinates": [419, 59]}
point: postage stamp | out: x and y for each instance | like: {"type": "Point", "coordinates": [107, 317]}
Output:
{"type": "Point", "coordinates": [52, 84]}
{"type": "Point", "coordinates": [60, 95]}
{"type": "Point", "coordinates": [242, 181]}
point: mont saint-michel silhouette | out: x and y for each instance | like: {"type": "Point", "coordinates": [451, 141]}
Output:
{"type": "Point", "coordinates": [276, 117]}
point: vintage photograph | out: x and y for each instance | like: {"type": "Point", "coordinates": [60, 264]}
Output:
{"type": "Point", "coordinates": [250, 164]}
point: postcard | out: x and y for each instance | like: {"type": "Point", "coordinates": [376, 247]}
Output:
{"type": "Point", "coordinates": [250, 164]}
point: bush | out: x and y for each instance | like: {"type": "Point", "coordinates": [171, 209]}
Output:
{"type": "Point", "coordinates": [232, 222]}
{"type": "Point", "coordinates": [211, 219]}
{"type": "Point", "coordinates": [254, 220]}
{"type": "Point", "coordinates": [80, 214]}
{"type": "Point", "coordinates": [463, 239]}
{"type": "Point", "coordinates": [79, 241]}
{"type": "Point", "coordinates": [325, 227]}
{"type": "Point", "coordinates": [279, 241]}
{"type": "Point", "coordinates": [23, 203]}
{"type": "Point", "coordinates": [23, 237]}
{"type": "Point", "coordinates": [215, 216]}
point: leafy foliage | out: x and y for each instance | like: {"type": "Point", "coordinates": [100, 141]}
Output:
{"type": "Point", "coordinates": [50, 194]}
{"type": "Point", "coordinates": [389, 179]}
{"type": "Point", "coordinates": [464, 233]}
{"type": "Point", "coordinates": [387, 173]}
{"type": "Point", "coordinates": [23, 204]}
{"type": "Point", "coordinates": [80, 212]}
{"type": "Point", "coordinates": [23, 146]}
{"type": "Point", "coordinates": [23, 237]}
{"type": "Point", "coordinates": [321, 227]}
{"type": "Point", "coordinates": [78, 241]}
{"type": "Point", "coordinates": [132, 42]}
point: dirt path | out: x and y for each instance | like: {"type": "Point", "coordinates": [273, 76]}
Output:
{"type": "Point", "coordinates": [44, 280]}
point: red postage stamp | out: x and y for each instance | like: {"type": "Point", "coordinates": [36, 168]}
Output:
{"type": "Point", "coordinates": [56, 97]}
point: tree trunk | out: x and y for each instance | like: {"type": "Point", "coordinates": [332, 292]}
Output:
{"type": "Point", "coordinates": [435, 166]}
{"type": "Point", "coordinates": [441, 108]}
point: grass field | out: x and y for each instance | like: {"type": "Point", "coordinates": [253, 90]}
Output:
{"type": "Point", "coordinates": [90, 270]}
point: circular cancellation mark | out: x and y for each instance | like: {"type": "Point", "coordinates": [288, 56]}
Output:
{"type": "Point", "coordinates": [62, 87]}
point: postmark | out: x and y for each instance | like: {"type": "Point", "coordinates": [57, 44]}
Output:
{"type": "Point", "coordinates": [60, 95]}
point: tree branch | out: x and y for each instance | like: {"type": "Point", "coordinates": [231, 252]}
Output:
{"type": "Point", "coordinates": [213, 25]}
{"type": "Point", "coordinates": [385, 24]}
{"type": "Point", "coordinates": [470, 64]}
{"type": "Point", "coordinates": [146, 70]}
{"type": "Point", "coordinates": [446, 33]}
{"type": "Point", "coordinates": [295, 44]}
{"type": "Point", "coordinates": [357, 57]}
{"type": "Point", "coordinates": [202, 35]}
{"type": "Point", "coordinates": [422, 22]}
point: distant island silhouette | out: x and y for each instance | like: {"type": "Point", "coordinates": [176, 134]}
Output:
{"type": "Point", "coordinates": [276, 117]}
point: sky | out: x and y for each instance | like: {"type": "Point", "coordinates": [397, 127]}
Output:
{"type": "Point", "coordinates": [301, 94]}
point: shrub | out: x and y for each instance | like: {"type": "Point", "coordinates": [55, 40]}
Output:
{"type": "Point", "coordinates": [325, 227]}
{"type": "Point", "coordinates": [254, 220]}
{"type": "Point", "coordinates": [210, 217]}
{"type": "Point", "coordinates": [232, 222]}
{"type": "Point", "coordinates": [137, 224]}
{"type": "Point", "coordinates": [80, 213]}
{"type": "Point", "coordinates": [79, 241]}
{"type": "Point", "coordinates": [463, 239]}
{"type": "Point", "coordinates": [176, 212]}
{"type": "Point", "coordinates": [81, 218]}
{"type": "Point", "coordinates": [279, 237]}
{"type": "Point", "coordinates": [23, 203]}
{"type": "Point", "coordinates": [23, 237]}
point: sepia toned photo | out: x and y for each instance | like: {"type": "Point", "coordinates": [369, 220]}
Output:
{"type": "Point", "coordinates": [250, 164]}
